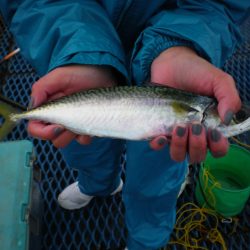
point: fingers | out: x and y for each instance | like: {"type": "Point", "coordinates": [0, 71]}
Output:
{"type": "Point", "coordinates": [55, 133]}
{"type": "Point", "coordinates": [67, 80]}
{"type": "Point", "coordinates": [217, 144]}
{"type": "Point", "coordinates": [192, 140]}
{"type": "Point", "coordinates": [83, 139]}
{"type": "Point", "coordinates": [159, 142]}
{"type": "Point", "coordinates": [44, 131]}
{"type": "Point", "coordinates": [227, 95]}
{"type": "Point", "coordinates": [178, 145]}
{"type": "Point", "coordinates": [63, 139]}
{"type": "Point", "coordinates": [197, 143]}
{"type": "Point", "coordinates": [181, 68]}
{"type": "Point", "coordinates": [54, 83]}
{"type": "Point", "coordinates": [64, 81]}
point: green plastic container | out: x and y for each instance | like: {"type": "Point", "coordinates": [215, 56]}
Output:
{"type": "Point", "coordinates": [15, 189]}
{"type": "Point", "coordinates": [224, 183]}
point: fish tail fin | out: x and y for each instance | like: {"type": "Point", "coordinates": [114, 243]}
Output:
{"type": "Point", "coordinates": [233, 130]}
{"type": "Point", "coordinates": [14, 117]}
{"type": "Point", "coordinates": [9, 115]}
{"type": "Point", "coordinates": [243, 127]}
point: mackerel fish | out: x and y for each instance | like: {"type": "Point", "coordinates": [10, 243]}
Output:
{"type": "Point", "coordinates": [133, 113]}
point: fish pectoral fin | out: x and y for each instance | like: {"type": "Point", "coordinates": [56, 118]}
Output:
{"type": "Point", "coordinates": [180, 107]}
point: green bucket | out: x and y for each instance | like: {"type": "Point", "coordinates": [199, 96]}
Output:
{"type": "Point", "coordinates": [224, 183]}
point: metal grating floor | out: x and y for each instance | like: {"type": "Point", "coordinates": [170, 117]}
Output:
{"type": "Point", "coordinates": [100, 226]}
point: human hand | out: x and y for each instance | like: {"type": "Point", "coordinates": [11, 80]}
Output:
{"type": "Point", "coordinates": [60, 82]}
{"type": "Point", "coordinates": [182, 68]}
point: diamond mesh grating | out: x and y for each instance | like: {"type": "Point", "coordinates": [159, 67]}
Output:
{"type": "Point", "coordinates": [101, 224]}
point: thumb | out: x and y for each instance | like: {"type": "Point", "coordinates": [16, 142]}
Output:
{"type": "Point", "coordinates": [44, 88]}
{"type": "Point", "coordinates": [227, 95]}
{"type": "Point", "coordinates": [55, 84]}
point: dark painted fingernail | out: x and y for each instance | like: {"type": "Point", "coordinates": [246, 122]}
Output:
{"type": "Point", "coordinates": [196, 129]}
{"type": "Point", "coordinates": [215, 135]}
{"type": "Point", "coordinates": [57, 131]}
{"type": "Point", "coordinates": [31, 103]}
{"type": "Point", "coordinates": [181, 131]}
{"type": "Point", "coordinates": [228, 117]}
{"type": "Point", "coordinates": [161, 141]}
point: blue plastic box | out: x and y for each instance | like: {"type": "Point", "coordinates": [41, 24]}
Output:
{"type": "Point", "coordinates": [15, 190]}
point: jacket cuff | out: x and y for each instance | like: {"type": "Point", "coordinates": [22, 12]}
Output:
{"type": "Point", "coordinates": [93, 58]}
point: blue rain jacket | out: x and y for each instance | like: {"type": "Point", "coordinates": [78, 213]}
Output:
{"type": "Point", "coordinates": [127, 35]}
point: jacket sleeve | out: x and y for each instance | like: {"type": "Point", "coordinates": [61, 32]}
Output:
{"type": "Point", "coordinates": [209, 27]}
{"type": "Point", "coordinates": [56, 33]}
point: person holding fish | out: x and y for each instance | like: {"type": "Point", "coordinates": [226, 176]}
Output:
{"type": "Point", "coordinates": [85, 44]}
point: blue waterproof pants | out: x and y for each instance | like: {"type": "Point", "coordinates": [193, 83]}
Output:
{"type": "Point", "coordinates": [150, 192]}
